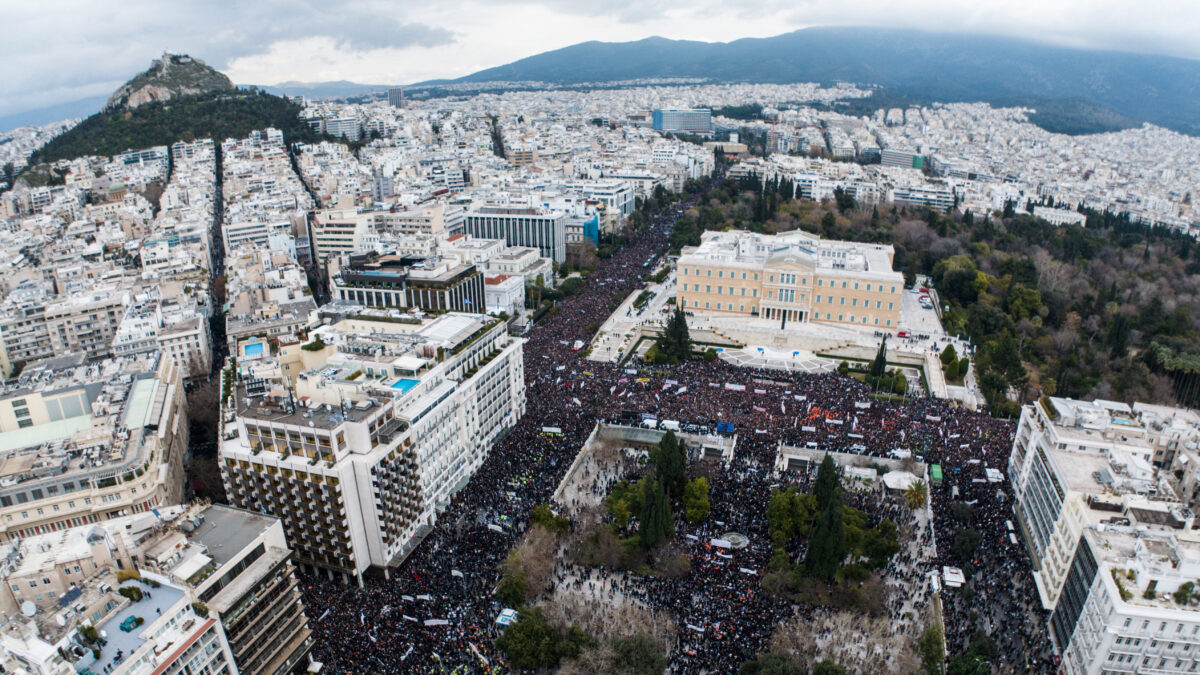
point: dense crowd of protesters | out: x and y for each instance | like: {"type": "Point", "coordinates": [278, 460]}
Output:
{"type": "Point", "coordinates": [723, 615]}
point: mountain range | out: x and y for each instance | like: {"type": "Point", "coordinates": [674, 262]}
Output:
{"type": "Point", "coordinates": [915, 65]}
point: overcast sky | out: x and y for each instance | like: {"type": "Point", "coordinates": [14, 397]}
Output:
{"type": "Point", "coordinates": [56, 51]}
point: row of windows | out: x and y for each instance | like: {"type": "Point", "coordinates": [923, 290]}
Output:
{"type": "Point", "coordinates": [1161, 628]}
{"type": "Point", "coordinates": [729, 307]}
{"type": "Point", "coordinates": [721, 274]}
{"type": "Point", "coordinates": [788, 295]}
{"type": "Point", "coordinates": [791, 279]}
{"type": "Point", "coordinates": [1162, 662]}
{"type": "Point", "coordinates": [854, 302]}
{"type": "Point", "coordinates": [721, 290]}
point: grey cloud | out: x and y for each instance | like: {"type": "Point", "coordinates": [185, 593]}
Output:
{"type": "Point", "coordinates": [625, 11]}
{"type": "Point", "coordinates": [62, 49]}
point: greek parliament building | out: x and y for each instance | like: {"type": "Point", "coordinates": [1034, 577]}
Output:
{"type": "Point", "coordinates": [1111, 538]}
{"type": "Point", "coordinates": [791, 277]}
{"type": "Point", "coordinates": [358, 437]}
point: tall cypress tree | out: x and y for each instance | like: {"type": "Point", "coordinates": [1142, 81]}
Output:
{"type": "Point", "coordinates": [879, 365]}
{"type": "Point", "coordinates": [827, 488]}
{"type": "Point", "coordinates": [657, 521]}
{"type": "Point", "coordinates": [664, 516]}
{"type": "Point", "coordinates": [671, 464]}
{"type": "Point", "coordinates": [647, 528]}
{"type": "Point", "coordinates": [827, 547]}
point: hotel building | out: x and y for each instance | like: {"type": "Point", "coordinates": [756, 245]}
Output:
{"type": "Point", "coordinates": [392, 415]}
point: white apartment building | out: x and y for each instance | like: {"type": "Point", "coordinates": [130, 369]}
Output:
{"type": "Point", "coordinates": [1119, 613]}
{"type": "Point", "coordinates": [36, 324]}
{"type": "Point", "coordinates": [524, 262]}
{"type": "Point", "coordinates": [436, 218]}
{"type": "Point", "coordinates": [504, 294]}
{"type": "Point", "coordinates": [178, 327]}
{"type": "Point", "coordinates": [391, 415]}
{"type": "Point", "coordinates": [181, 590]}
{"type": "Point", "coordinates": [338, 231]}
{"type": "Point", "coordinates": [86, 442]}
{"type": "Point", "coordinates": [254, 233]}
{"type": "Point", "coordinates": [935, 197]}
{"type": "Point", "coordinates": [1109, 540]}
{"type": "Point", "coordinates": [1069, 459]}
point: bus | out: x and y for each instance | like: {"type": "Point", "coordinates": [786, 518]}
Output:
{"type": "Point", "coordinates": [935, 474]}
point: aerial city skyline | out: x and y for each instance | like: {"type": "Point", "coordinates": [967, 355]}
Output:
{"type": "Point", "coordinates": [496, 337]}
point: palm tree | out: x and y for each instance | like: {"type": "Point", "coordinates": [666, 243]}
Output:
{"type": "Point", "coordinates": [915, 494]}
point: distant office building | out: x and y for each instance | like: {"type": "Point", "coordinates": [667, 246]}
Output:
{"type": "Point", "coordinates": [522, 155]}
{"type": "Point", "coordinates": [939, 198]}
{"type": "Point", "coordinates": [431, 284]}
{"type": "Point", "coordinates": [348, 127]}
{"type": "Point", "coordinates": [902, 159]}
{"type": "Point", "coordinates": [396, 97]}
{"type": "Point", "coordinates": [690, 120]}
{"type": "Point", "coordinates": [522, 226]}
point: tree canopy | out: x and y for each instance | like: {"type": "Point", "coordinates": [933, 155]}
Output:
{"type": "Point", "coordinates": [675, 343]}
{"type": "Point", "coordinates": [532, 643]}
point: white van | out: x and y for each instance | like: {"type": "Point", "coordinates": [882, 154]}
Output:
{"type": "Point", "coordinates": [669, 425]}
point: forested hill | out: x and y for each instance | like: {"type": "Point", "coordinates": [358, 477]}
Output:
{"type": "Point", "coordinates": [918, 65]}
{"type": "Point", "coordinates": [216, 115]}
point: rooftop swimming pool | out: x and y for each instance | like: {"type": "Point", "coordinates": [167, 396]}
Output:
{"type": "Point", "coordinates": [405, 384]}
{"type": "Point", "coordinates": [253, 349]}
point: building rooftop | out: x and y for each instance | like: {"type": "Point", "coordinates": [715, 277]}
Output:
{"type": "Point", "coordinates": [149, 608]}
{"type": "Point", "coordinates": [739, 248]}
{"type": "Point", "coordinates": [226, 531]}
{"type": "Point", "coordinates": [98, 417]}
